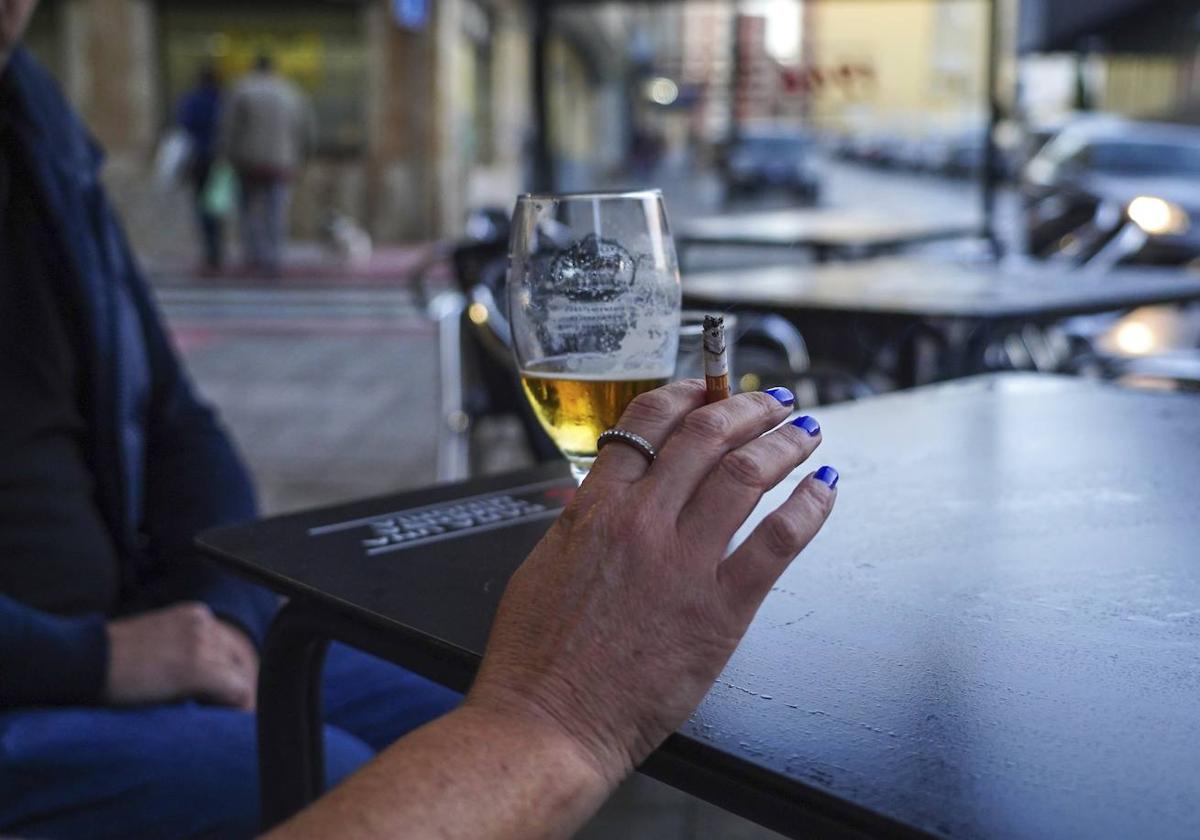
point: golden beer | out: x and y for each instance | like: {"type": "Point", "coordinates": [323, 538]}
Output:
{"type": "Point", "coordinates": [574, 411]}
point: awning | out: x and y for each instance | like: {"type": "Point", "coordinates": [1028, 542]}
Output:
{"type": "Point", "coordinates": [1142, 26]}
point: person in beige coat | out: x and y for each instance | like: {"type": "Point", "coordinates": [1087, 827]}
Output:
{"type": "Point", "coordinates": [267, 130]}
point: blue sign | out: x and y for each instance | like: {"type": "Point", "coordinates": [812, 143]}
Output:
{"type": "Point", "coordinates": [411, 14]}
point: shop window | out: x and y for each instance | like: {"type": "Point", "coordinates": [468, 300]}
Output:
{"type": "Point", "coordinates": [318, 45]}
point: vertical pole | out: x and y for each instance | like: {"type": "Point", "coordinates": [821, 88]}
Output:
{"type": "Point", "coordinates": [291, 743]}
{"type": "Point", "coordinates": [735, 71]}
{"type": "Point", "coordinates": [454, 433]}
{"type": "Point", "coordinates": [990, 158]}
{"type": "Point", "coordinates": [543, 162]}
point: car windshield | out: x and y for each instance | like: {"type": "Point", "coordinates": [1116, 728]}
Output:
{"type": "Point", "coordinates": [1145, 158]}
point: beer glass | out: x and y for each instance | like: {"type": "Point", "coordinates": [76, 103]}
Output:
{"type": "Point", "coordinates": [593, 292]}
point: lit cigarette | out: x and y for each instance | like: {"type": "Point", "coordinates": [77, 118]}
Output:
{"type": "Point", "coordinates": [716, 360]}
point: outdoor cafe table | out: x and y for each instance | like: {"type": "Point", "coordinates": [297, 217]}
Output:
{"type": "Point", "coordinates": [996, 635]}
{"type": "Point", "coordinates": [823, 233]}
{"type": "Point", "coordinates": [903, 301]}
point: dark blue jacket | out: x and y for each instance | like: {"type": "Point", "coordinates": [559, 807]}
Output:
{"type": "Point", "coordinates": [164, 468]}
{"type": "Point", "coordinates": [199, 114]}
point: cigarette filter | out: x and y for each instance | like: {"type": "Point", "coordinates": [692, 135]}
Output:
{"type": "Point", "coordinates": [716, 359]}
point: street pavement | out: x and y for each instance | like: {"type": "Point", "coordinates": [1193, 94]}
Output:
{"type": "Point", "coordinates": [331, 394]}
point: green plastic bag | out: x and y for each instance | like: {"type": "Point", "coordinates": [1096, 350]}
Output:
{"type": "Point", "coordinates": [220, 191]}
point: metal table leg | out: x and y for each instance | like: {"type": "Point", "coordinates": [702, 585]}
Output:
{"type": "Point", "coordinates": [291, 756]}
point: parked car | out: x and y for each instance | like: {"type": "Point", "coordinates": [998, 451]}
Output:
{"type": "Point", "coordinates": [966, 152]}
{"type": "Point", "coordinates": [759, 162]}
{"type": "Point", "coordinates": [1107, 192]}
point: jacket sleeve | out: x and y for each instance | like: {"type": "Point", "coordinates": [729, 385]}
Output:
{"type": "Point", "coordinates": [194, 480]}
{"type": "Point", "coordinates": [190, 476]}
{"type": "Point", "coordinates": [50, 660]}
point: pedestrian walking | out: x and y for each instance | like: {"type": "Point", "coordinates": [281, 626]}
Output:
{"type": "Point", "coordinates": [267, 129]}
{"type": "Point", "coordinates": [199, 114]}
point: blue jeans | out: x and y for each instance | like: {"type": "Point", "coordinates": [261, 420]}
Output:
{"type": "Point", "coordinates": [264, 206]}
{"type": "Point", "coordinates": [187, 770]}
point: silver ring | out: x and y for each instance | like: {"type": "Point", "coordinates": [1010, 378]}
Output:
{"type": "Point", "coordinates": [619, 435]}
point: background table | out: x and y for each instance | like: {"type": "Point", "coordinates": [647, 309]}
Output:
{"type": "Point", "coordinates": [961, 306]}
{"type": "Point", "coordinates": [997, 635]}
{"type": "Point", "coordinates": [823, 233]}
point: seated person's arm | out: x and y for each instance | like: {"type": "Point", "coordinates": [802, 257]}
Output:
{"type": "Point", "coordinates": [169, 654]}
{"type": "Point", "coordinates": [49, 660]}
{"type": "Point", "coordinates": [607, 637]}
{"type": "Point", "coordinates": [194, 480]}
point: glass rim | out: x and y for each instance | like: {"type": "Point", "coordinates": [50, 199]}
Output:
{"type": "Point", "coordinates": [652, 192]}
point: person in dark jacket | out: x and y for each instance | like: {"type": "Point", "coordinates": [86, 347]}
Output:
{"type": "Point", "coordinates": [127, 665]}
{"type": "Point", "coordinates": [199, 115]}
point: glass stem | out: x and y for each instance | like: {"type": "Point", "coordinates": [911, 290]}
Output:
{"type": "Point", "coordinates": [579, 471]}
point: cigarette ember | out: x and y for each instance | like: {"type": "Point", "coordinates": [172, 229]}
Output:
{"type": "Point", "coordinates": [716, 359]}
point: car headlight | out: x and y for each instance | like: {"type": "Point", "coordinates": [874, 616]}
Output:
{"type": "Point", "coordinates": [1134, 338]}
{"type": "Point", "coordinates": [1157, 216]}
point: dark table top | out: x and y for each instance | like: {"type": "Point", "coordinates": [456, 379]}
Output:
{"type": "Point", "coordinates": [820, 227]}
{"type": "Point", "coordinates": [997, 635]}
{"type": "Point", "coordinates": [912, 287]}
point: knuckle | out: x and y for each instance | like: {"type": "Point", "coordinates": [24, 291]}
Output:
{"type": "Point", "coordinates": [630, 523]}
{"type": "Point", "coordinates": [764, 402]}
{"type": "Point", "coordinates": [646, 516]}
{"type": "Point", "coordinates": [633, 524]}
{"type": "Point", "coordinates": [652, 407]}
{"type": "Point", "coordinates": [816, 503]}
{"type": "Point", "coordinates": [197, 614]}
{"type": "Point", "coordinates": [783, 535]}
{"type": "Point", "coordinates": [743, 468]}
{"type": "Point", "coordinates": [784, 446]}
{"type": "Point", "coordinates": [709, 423]}
{"type": "Point", "coordinates": [196, 646]}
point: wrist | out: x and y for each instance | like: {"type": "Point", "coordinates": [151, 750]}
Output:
{"type": "Point", "coordinates": [590, 771]}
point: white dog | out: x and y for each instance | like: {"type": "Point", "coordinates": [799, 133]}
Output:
{"type": "Point", "coordinates": [352, 243]}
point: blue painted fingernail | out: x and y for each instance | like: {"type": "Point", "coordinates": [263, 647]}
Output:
{"type": "Point", "coordinates": [782, 394]}
{"type": "Point", "coordinates": [828, 475]}
{"type": "Point", "coordinates": [808, 424]}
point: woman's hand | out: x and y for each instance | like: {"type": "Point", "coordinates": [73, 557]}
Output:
{"type": "Point", "coordinates": [615, 627]}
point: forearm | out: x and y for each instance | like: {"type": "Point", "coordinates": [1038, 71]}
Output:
{"type": "Point", "coordinates": [474, 773]}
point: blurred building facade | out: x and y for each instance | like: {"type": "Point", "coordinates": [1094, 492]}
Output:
{"type": "Point", "coordinates": [829, 65]}
{"type": "Point", "coordinates": [419, 119]}
{"type": "Point", "coordinates": [902, 67]}
{"type": "Point", "coordinates": [425, 106]}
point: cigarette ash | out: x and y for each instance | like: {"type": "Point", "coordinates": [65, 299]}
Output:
{"type": "Point", "coordinates": [714, 335]}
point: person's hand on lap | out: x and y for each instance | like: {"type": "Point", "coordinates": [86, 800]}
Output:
{"type": "Point", "coordinates": [178, 652]}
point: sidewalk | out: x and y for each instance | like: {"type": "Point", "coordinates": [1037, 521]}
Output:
{"type": "Point", "coordinates": [312, 265]}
